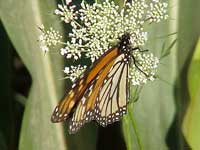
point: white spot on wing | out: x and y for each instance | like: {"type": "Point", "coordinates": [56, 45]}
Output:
{"type": "Point", "coordinates": [83, 100]}
{"type": "Point", "coordinates": [56, 110]}
{"type": "Point", "coordinates": [73, 85]}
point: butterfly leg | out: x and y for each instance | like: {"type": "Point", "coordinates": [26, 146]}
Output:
{"type": "Point", "coordinates": [135, 48]}
{"type": "Point", "coordinates": [143, 50]}
{"type": "Point", "coordinates": [134, 61]}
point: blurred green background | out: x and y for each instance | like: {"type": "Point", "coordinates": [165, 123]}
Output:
{"type": "Point", "coordinates": [166, 116]}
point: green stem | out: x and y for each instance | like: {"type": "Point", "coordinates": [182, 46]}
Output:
{"type": "Point", "coordinates": [78, 24]}
{"type": "Point", "coordinates": [133, 122]}
{"type": "Point", "coordinates": [64, 43]}
{"type": "Point", "coordinates": [63, 3]}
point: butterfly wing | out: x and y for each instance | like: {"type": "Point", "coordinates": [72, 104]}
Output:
{"type": "Point", "coordinates": [113, 96]}
{"type": "Point", "coordinates": [79, 88]}
{"type": "Point", "coordinates": [105, 99]}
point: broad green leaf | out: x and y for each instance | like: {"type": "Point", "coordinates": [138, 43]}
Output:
{"type": "Point", "coordinates": [191, 124]}
{"type": "Point", "coordinates": [188, 30]}
{"type": "Point", "coordinates": [21, 20]}
{"type": "Point", "coordinates": [21, 24]}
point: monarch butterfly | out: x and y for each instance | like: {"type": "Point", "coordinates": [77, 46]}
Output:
{"type": "Point", "coordinates": [102, 92]}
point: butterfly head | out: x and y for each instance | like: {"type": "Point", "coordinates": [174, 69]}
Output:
{"type": "Point", "coordinates": [125, 39]}
{"type": "Point", "coordinates": [124, 44]}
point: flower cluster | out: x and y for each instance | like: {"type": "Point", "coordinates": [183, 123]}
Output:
{"type": "Point", "coordinates": [73, 72]}
{"type": "Point", "coordinates": [49, 38]}
{"type": "Point", "coordinates": [97, 27]}
{"type": "Point", "coordinates": [66, 12]}
{"type": "Point", "coordinates": [157, 11]}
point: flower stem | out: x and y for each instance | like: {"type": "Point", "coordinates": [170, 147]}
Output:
{"type": "Point", "coordinates": [133, 122]}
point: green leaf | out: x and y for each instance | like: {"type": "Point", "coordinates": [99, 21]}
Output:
{"type": "Point", "coordinates": [166, 51]}
{"type": "Point", "coordinates": [188, 29]}
{"type": "Point", "coordinates": [21, 20]}
{"type": "Point", "coordinates": [21, 24]}
{"type": "Point", "coordinates": [191, 124]}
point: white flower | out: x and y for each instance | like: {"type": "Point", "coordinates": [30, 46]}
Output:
{"type": "Point", "coordinates": [44, 48]}
{"type": "Point", "coordinates": [66, 12]}
{"type": "Point", "coordinates": [73, 72]}
{"type": "Point", "coordinates": [68, 2]}
{"type": "Point", "coordinates": [157, 11]}
{"type": "Point", "coordinates": [49, 38]}
{"type": "Point", "coordinates": [63, 51]}
{"type": "Point", "coordinates": [97, 27]}
{"type": "Point", "coordinates": [66, 70]}
{"type": "Point", "coordinates": [71, 51]}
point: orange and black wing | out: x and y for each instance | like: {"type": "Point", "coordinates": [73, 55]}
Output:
{"type": "Point", "coordinates": [80, 88]}
{"type": "Point", "coordinates": [105, 98]}
{"type": "Point", "coordinates": [113, 96]}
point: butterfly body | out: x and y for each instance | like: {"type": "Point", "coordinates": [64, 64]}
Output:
{"type": "Point", "coordinates": [102, 92]}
